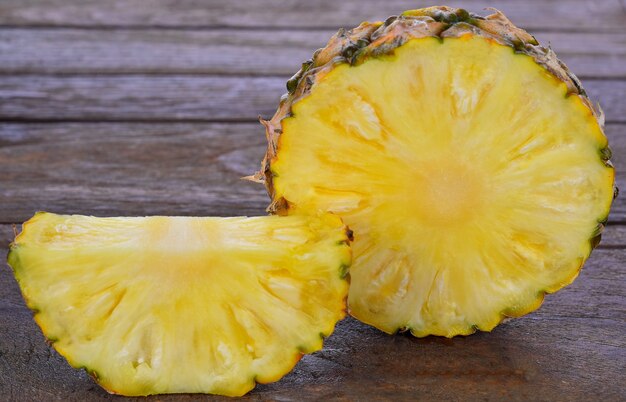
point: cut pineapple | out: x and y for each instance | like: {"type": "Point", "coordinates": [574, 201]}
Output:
{"type": "Point", "coordinates": [466, 157]}
{"type": "Point", "coordinates": [177, 304]}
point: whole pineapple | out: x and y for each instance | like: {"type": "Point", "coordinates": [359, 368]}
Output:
{"type": "Point", "coordinates": [466, 157]}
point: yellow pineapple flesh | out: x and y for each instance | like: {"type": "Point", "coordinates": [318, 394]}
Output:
{"type": "Point", "coordinates": [468, 161]}
{"type": "Point", "coordinates": [181, 304]}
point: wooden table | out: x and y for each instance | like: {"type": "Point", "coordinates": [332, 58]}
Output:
{"type": "Point", "coordinates": [125, 107]}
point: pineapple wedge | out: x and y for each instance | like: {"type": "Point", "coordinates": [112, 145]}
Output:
{"type": "Point", "coordinates": [178, 304]}
{"type": "Point", "coordinates": [466, 157]}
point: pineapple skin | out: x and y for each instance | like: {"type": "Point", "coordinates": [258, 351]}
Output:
{"type": "Point", "coordinates": [374, 39]}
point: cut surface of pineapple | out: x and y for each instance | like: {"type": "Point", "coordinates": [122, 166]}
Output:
{"type": "Point", "coordinates": [474, 179]}
{"type": "Point", "coordinates": [182, 304]}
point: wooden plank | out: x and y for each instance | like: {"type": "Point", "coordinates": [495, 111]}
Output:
{"type": "Point", "coordinates": [138, 98]}
{"type": "Point", "coordinates": [7, 234]}
{"type": "Point", "coordinates": [68, 51]}
{"type": "Point", "coordinates": [565, 351]}
{"type": "Point", "coordinates": [149, 169]}
{"type": "Point", "coordinates": [616, 134]}
{"type": "Point", "coordinates": [534, 14]}
{"type": "Point", "coordinates": [180, 98]}
{"type": "Point", "coordinates": [136, 169]}
{"type": "Point", "coordinates": [158, 51]}
{"type": "Point", "coordinates": [614, 237]}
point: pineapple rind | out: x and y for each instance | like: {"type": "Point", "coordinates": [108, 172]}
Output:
{"type": "Point", "coordinates": [311, 254]}
{"type": "Point", "coordinates": [376, 40]}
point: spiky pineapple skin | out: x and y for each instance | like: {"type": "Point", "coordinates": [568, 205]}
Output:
{"type": "Point", "coordinates": [375, 39]}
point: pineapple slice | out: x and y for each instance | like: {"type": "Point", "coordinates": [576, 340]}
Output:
{"type": "Point", "coordinates": [466, 158]}
{"type": "Point", "coordinates": [179, 304]}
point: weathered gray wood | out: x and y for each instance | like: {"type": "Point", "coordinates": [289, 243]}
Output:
{"type": "Point", "coordinates": [614, 236]}
{"type": "Point", "coordinates": [180, 98]}
{"type": "Point", "coordinates": [137, 169]}
{"type": "Point", "coordinates": [235, 51]}
{"type": "Point", "coordinates": [138, 98]}
{"type": "Point", "coordinates": [616, 134]}
{"type": "Point", "coordinates": [150, 169]}
{"type": "Point", "coordinates": [552, 14]}
{"type": "Point", "coordinates": [228, 51]}
{"type": "Point", "coordinates": [572, 348]}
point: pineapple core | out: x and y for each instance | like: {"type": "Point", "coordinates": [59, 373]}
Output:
{"type": "Point", "coordinates": [472, 180]}
{"type": "Point", "coordinates": [444, 195]}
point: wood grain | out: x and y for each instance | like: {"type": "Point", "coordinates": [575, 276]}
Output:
{"type": "Point", "coordinates": [180, 98]}
{"type": "Point", "coordinates": [572, 15]}
{"type": "Point", "coordinates": [614, 237]}
{"type": "Point", "coordinates": [138, 98]}
{"type": "Point", "coordinates": [572, 348]}
{"type": "Point", "coordinates": [136, 169]}
{"type": "Point", "coordinates": [151, 169]}
{"type": "Point", "coordinates": [235, 51]}
{"type": "Point", "coordinates": [616, 134]}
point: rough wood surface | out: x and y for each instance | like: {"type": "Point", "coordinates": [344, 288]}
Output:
{"type": "Point", "coordinates": [236, 51]}
{"type": "Point", "coordinates": [570, 15]}
{"type": "Point", "coordinates": [151, 169]}
{"type": "Point", "coordinates": [132, 169]}
{"type": "Point", "coordinates": [180, 98]}
{"type": "Point", "coordinates": [614, 236]}
{"type": "Point", "coordinates": [148, 107]}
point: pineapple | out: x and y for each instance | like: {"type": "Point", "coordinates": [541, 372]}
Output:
{"type": "Point", "coordinates": [466, 157]}
{"type": "Point", "coordinates": [179, 304]}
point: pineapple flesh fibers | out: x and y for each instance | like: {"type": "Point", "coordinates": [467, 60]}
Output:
{"type": "Point", "coordinates": [177, 304]}
{"type": "Point", "coordinates": [470, 165]}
